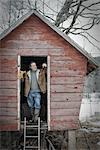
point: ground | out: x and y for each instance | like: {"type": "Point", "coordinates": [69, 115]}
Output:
{"type": "Point", "coordinates": [86, 138]}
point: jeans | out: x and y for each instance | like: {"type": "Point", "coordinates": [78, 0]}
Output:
{"type": "Point", "coordinates": [34, 99]}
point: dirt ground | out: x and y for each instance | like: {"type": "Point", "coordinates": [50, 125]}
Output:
{"type": "Point", "coordinates": [86, 138]}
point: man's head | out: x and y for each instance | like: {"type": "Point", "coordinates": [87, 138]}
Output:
{"type": "Point", "coordinates": [33, 66]}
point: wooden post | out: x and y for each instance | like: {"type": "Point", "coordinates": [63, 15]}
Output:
{"type": "Point", "coordinates": [64, 144]}
{"type": "Point", "coordinates": [71, 140]}
{"type": "Point", "coordinates": [39, 133]}
{"type": "Point", "coordinates": [24, 132]}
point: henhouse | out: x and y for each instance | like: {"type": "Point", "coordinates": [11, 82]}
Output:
{"type": "Point", "coordinates": [34, 38]}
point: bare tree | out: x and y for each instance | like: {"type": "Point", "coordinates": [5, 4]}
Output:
{"type": "Point", "coordinates": [13, 10]}
{"type": "Point", "coordinates": [75, 11]}
{"type": "Point", "coordinates": [80, 15]}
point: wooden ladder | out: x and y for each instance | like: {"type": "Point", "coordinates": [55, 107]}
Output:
{"type": "Point", "coordinates": [32, 127]}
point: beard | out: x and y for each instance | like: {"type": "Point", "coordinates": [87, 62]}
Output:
{"type": "Point", "coordinates": [34, 69]}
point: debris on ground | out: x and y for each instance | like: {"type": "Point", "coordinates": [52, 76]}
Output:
{"type": "Point", "coordinates": [87, 138]}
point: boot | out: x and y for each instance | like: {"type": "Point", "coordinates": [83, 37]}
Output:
{"type": "Point", "coordinates": [36, 114]}
{"type": "Point", "coordinates": [32, 114]}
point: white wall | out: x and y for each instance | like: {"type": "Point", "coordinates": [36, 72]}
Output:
{"type": "Point", "coordinates": [90, 107]}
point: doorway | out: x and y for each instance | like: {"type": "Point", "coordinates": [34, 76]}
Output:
{"type": "Point", "coordinates": [24, 68]}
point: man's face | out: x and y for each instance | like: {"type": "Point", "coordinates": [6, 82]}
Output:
{"type": "Point", "coordinates": [33, 66]}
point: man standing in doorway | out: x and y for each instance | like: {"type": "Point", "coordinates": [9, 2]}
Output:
{"type": "Point", "coordinates": [35, 83]}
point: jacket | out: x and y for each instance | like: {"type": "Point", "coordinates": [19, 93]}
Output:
{"type": "Point", "coordinates": [40, 74]}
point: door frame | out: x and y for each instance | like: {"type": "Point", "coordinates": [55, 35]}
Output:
{"type": "Point", "coordinates": [48, 88]}
{"type": "Point", "coordinates": [18, 92]}
{"type": "Point", "coordinates": [48, 92]}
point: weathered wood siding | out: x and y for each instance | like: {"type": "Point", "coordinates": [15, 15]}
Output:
{"type": "Point", "coordinates": [67, 70]}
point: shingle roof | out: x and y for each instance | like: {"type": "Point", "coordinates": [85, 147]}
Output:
{"type": "Point", "coordinates": [52, 26]}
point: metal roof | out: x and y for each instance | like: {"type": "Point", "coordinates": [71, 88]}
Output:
{"type": "Point", "coordinates": [52, 26]}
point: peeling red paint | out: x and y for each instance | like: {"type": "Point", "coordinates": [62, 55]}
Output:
{"type": "Point", "coordinates": [68, 68]}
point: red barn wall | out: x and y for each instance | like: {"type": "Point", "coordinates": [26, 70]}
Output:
{"type": "Point", "coordinates": [67, 70]}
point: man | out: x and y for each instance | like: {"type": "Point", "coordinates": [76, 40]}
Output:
{"type": "Point", "coordinates": [35, 83]}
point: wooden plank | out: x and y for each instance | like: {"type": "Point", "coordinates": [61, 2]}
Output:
{"type": "Point", "coordinates": [63, 125]}
{"type": "Point", "coordinates": [9, 69]}
{"type": "Point", "coordinates": [71, 140]}
{"type": "Point", "coordinates": [65, 105]}
{"type": "Point", "coordinates": [8, 64]}
{"type": "Point", "coordinates": [33, 35]}
{"type": "Point", "coordinates": [5, 62]}
{"type": "Point", "coordinates": [67, 58]}
{"type": "Point", "coordinates": [68, 63]}
{"type": "Point", "coordinates": [29, 44]}
{"type": "Point", "coordinates": [8, 84]}
{"type": "Point", "coordinates": [11, 52]}
{"type": "Point", "coordinates": [62, 73]}
{"type": "Point", "coordinates": [7, 112]}
{"type": "Point", "coordinates": [35, 52]}
{"type": "Point", "coordinates": [65, 112]}
{"type": "Point", "coordinates": [7, 119]}
{"type": "Point", "coordinates": [68, 71]}
{"type": "Point", "coordinates": [33, 39]}
{"type": "Point", "coordinates": [7, 57]}
{"type": "Point", "coordinates": [67, 66]}
{"type": "Point", "coordinates": [8, 105]}
{"type": "Point", "coordinates": [67, 80]}
{"type": "Point", "coordinates": [57, 97]}
{"type": "Point", "coordinates": [8, 76]}
{"type": "Point", "coordinates": [45, 51]}
{"type": "Point", "coordinates": [9, 127]}
{"type": "Point", "coordinates": [64, 62]}
{"type": "Point", "coordinates": [65, 118]}
{"type": "Point", "coordinates": [32, 51]}
{"type": "Point", "coordinates": [67, 88]}
{"type": "Point", "coordinates": [61, 58]}
{"type": "Point", "coordinates": [8, 92]}
{"type": "Point", "coordinates": [76, 67]}
{"type": "Point", "coordinates": [8, 99]}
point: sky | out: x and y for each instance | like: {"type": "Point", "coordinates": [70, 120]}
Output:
{"type": "Point", "coordinates": [51, 8]}
{"type": "Point", "coordinates": [86, 45]}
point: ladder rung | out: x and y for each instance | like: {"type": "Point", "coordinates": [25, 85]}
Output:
{"type": "Point", "coordinates": [28, 136]}
{"type": "Point", "coordinates": [31, 147]}
{"type": "Point", "coordinates": [31, 123]}
{"type": "Point", "coordinates": [32, 126]}
{"type": "Point", "coordinates": [43, 128]}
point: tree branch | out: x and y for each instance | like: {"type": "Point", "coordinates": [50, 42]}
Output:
{"type": "Point", "coordinates": [75, 17]}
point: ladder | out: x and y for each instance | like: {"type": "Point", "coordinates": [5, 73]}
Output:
{"type": "Point", "coordinates": [31, 126]}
